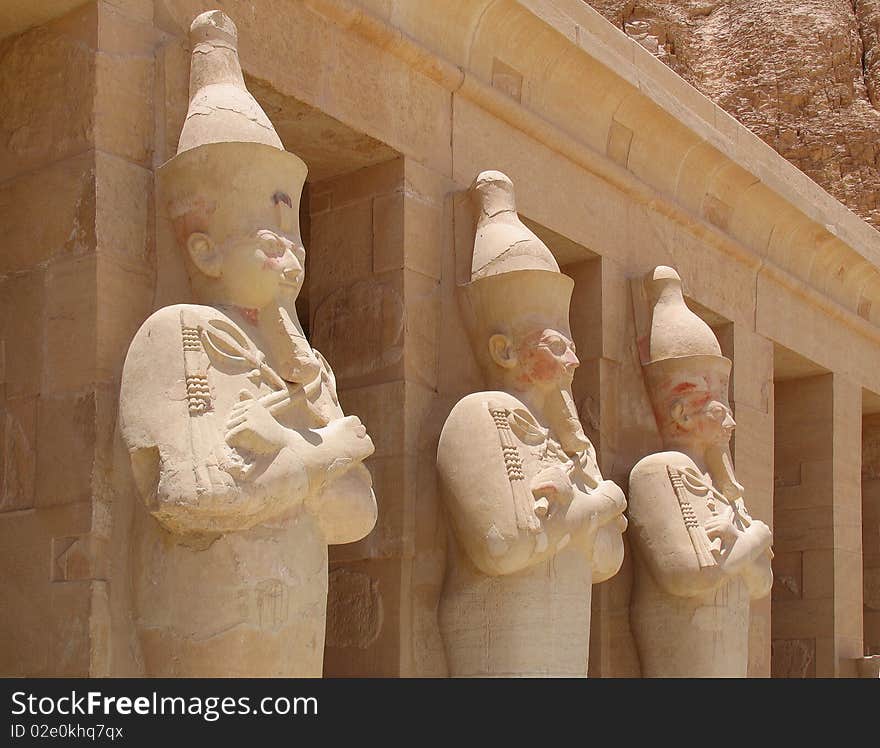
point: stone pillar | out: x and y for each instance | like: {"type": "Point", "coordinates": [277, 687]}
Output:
{"type": "Point", "coordinates": [600, 311]}
{"type": "Point", "coordinates": [817, 607]}
{"type": "Point", "coordinates": [374, 267]}
{"type": "Point", "coordinates": [871, 530]}
{"type": "Point", "coordinates": [752, 402]}
{"type": "Point", "coordinates": [848, 589]}
{"type": "Point", "coordinates": [77, 267]}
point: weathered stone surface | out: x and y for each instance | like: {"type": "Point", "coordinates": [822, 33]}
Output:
{"type": "Point", "coordinates": [700, 558]}
{"type": "Point", "coordinates": [532, 522]}
{"type": "Point", "coordinates": [354, 609]}
{"type": "Point", "coordinates": [46, 75]}
{"type": "Point", "coordinates": [793, 658]}
{"type": "Point", "coordinates": [243, 459]}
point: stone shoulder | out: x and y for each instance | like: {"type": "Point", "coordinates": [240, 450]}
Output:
{"type": "Point", "coordinates": [478, 402]}
{"type": "Point", "coordinates": [659, 461]}
{"type": "Point", "coordinates": [168, 316]}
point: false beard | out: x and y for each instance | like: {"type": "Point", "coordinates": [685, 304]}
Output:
{"type": "Point", "coordinates": [291, 353]}
{"type": "Point", "coordinates": [562, 418]}
{"type": "Point", "coordinates": [720, 467]}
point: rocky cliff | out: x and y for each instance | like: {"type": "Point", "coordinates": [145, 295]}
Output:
{"type": "Point", "coordinates": [804, 75]}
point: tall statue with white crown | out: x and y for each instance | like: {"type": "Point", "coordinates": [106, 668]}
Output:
{"type": "Point", "coordinates": [533, 524]}
{"type": "Point", "coordinates": [699, 557]}
{"type": "Point", "coordinates": [245, 463]}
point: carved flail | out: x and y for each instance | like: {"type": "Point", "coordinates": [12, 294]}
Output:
{"type": "Point", "coordinates": [699, 538]}
{"type": "Point", "coordinates": [697, 485]}
{"type": "Point", "coordinates": [523, 502]}
{"type": "Point", "coordinates": [198, 392]}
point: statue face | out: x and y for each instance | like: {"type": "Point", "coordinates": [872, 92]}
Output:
{"type": "Point", "coordinates": [547, 359]}
{"type": "Point", "coordinates": [263, 267]}
{"type": "Point", "coordinates": [705, 417]}
{"type": "Point", "coordinates": [255, 269]}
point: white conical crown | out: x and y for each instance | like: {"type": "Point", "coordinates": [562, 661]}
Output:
{"type": "Point", "coordinates": [503, 243]}
{"type": "Point", "coordinates": [676, 331]}
{"type": "Point", "coordinates": [221, 109]}
{"type": "Point", "coordinates": [515, 279]}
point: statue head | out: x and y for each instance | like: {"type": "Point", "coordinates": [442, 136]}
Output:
{"type": "Point", "coordinates": [232, 192]}
{"type": "Point", "coordinates": [686, 374]}
{"type": "Point", "coordinates": [516, 307]}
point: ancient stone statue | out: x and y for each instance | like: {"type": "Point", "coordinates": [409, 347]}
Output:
{"type": "Point", "coordinates": [534, 525]}
{"type": "Point", "coordinates": [245, 462]}
{"type": "Point", "coordinates": [699, 557]}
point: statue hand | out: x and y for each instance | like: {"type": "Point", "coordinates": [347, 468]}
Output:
{"type": "Point", "coordinates": [553, 485]}
{"type": "Point", "coordinates": [347, 440]}
{"type": "Point", "coordinates": [723, 527]}
{"type": "Point", "coordinates": [252, 427]}
{"type": "Point", "coordinates": [762, 533]}
{"type": "Point", "coordinates": [610, 490]}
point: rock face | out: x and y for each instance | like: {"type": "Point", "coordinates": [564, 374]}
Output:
{"type": "Point", "coordinates": [804, 75]}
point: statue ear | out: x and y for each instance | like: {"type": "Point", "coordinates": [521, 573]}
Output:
{"type": "Point", "coordinates": [501, 351]}
{"type": "Point", "coordinates": [203, 252]}
{"type": "Point", "coordinates": [678, 414]}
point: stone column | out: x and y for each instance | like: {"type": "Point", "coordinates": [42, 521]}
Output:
{"type": "Point", "coordinates": [752, 402]}
{"type": "Point", "coordinates": [871, 530]}
{"type": "Point", "coordinates": [817, 606]}
{"type": "Point", "coordinates": [600, 312]}
{"type": "Point", "coordinates": [374, 254]}
{"type": "Point", "coordinates": [847, 519]}
{"type": "Point", "coordinates": [77, 275]}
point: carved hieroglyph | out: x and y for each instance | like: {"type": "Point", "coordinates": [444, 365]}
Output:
{"type": "Point", "coordinates": [699, 557]}
{"type": "Point", "coordinates": [245, 462]}
{"type": "Point", "coordinates": [534, 525]}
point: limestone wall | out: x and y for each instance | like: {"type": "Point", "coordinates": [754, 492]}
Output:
{"type": "Point", "coordinates": [76, 276]}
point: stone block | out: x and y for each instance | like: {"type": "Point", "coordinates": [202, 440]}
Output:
{"type": "Point", "coordinates": [754, 361]}
{"type": "Point", "coordinates": [798, 619]}
{"type": "Point", "coordinates": [373, 309]}
{"type": "Point", "coordinates": [422, 300]}
{"type": "Point", "coordinates": [379, 652]}
{"type": "Point", "coordinates": [801, 529]}
{"type": "Point", "coordinates": [22, 304]}
{"type": "Point", "coordinates": [392, 537]}
{"type": "Point", "coordinates": [407, 232]}
{"type": "Point", "coordinates": [18, 450]}
{"type": "Point", "coordinates": [788, 578]}
{"type": "Point", "coordinates": [124, 106]}
{"type": "Point", "coordinates": [354, 609]}
{"type": "Point", "coordinates": [48, 213]}
{"type": "Point", "coordinates": [818, 570]}
{"type": "Point", "coordinates": [793, 658]}
{"type": "Point", "coordinates": [70, 325]}
{"type": "Point", "coordinates": [124, 209]}
{"type": "Point", "coordinates": [363, 184]}
{"type": "Point", "coordinates": [65, 448]}
{"type": "Point", "coordinates": [172, 73]}
{"type": "Point", "coordinates": [47, 82]}
{"type": "Point", "coordinates": [45, 630]}
{"type": "Point", "coordinates": [124, 292]}
{"type": "Point", "coordinates": [388, 232]}
{"type": "Point", "coordinates": [341, 250]}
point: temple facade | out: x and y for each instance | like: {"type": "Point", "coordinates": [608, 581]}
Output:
{"type": "Point", "coordinates": [622, 171]}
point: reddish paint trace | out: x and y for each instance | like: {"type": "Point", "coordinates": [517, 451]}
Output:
{"type": "Point", "coordinates": [251, 315]}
